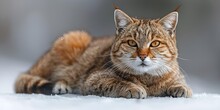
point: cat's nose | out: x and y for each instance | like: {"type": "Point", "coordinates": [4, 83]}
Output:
{"type": "Point", "coordinates": [142, 56]}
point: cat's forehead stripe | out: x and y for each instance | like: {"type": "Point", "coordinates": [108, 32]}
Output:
{"type": "Point", "coordinates": [145, 31]}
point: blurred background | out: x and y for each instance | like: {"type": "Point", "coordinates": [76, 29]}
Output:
{"type": "Point", "coordinates": [29, 27]}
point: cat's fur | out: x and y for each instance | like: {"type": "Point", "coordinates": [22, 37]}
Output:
{"type": "Point", "coordinates": [140, 61]}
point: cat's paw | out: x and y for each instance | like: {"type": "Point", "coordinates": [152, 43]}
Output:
{"type": "Point", "coordinates": [61, 88]}
{"type": "Point", "coordinates": [134, 91]}
{"type": "Point", "coordinates": [180, 91]}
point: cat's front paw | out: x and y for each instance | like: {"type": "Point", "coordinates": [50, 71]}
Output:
{"type": "Point", "coordinates": [61, 88]}
{"type": "Point", "coordinates": [180, 91]}
{"type": "Point", "coordinates": [134, 91]}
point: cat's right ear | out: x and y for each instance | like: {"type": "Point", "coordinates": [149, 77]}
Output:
{"type": "Point", "coordinates": [169, 22]}
{"type": "Point", "coordinates": [121, 20]}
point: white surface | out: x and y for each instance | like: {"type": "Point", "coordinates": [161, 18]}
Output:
{"type": "Point", "coordinates": [10, 68]}
{"type": "Point", "coordinates": [74, 102]}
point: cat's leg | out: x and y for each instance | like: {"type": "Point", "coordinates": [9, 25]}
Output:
{"type": "Point", "coordinates": [27, 83]}
{"type": "Point", "coordinates": [179, 90]}
{"type": "Point", "coordinates": [105, 84]}
{"type": "Point", "coordinates": [67, 78]}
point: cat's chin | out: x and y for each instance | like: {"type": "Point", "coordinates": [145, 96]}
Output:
{"type": "Point", "coordinates": [151, 70]}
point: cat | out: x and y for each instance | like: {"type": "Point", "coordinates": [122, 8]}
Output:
{"type": "Point", "coordinates": [139, 61]}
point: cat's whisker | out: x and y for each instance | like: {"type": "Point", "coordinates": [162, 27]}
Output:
{"type": "Point", "coordinates": [106, 64]}
{"type": "Point", "coordinates": [163, 69]}
{"type": "Point", "coordinates": [112, 67]}
{"type": "Point", "coordinates": [127, 58]}
{"type": "Point", "coordinates": [182, 58]}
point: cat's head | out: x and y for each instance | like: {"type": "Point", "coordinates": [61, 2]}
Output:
{"type": "Point", "coordinates": [144, 46]}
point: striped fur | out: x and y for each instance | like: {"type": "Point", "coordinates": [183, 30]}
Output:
{"type": "Point", "coordinates": [140, 61]}
{"type": "Point", "coordinates": [33, 84]}
{"type": "Point", "coordinates": [63, 53]}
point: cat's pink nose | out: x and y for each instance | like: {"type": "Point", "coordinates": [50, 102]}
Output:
{"type": "Point", "coordinates": [142, 56]}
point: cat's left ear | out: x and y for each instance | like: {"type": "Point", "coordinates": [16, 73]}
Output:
{"type": "Point", "coordinates": [121, 19]}
{"type": "Point", "coordinates": [169, 22]}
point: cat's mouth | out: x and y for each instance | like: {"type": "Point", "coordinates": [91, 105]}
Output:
{"type": "Point", "coordinates": [143, 64]}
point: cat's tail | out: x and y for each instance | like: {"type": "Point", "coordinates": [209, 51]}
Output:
{"type": "Point", "coordinates": [70, 46]}
{"type": "Point", "coordinates": [27, 83]}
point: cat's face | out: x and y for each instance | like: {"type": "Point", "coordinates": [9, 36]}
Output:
{"type": "Point", "coordinates": [144, 46]}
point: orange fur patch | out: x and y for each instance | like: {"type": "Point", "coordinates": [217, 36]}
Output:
{"type": "Point", "coordinates": [71, 45]}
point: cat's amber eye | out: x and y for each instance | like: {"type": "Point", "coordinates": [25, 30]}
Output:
{"type": "Point", "coordinates": [155, 43]}
{"type": "Point", "coordinates": [132, 43]}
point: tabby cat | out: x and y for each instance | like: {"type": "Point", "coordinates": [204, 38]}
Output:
{"type": "Point", "coordinates": [139, 61]}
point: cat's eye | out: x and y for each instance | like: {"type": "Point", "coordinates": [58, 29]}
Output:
{"type": "Point", "coordinates": [132, 43]}
{"type": "Point", "coordinates": [155, 43]}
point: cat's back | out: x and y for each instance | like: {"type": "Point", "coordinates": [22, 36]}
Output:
{"type": "Point", "coordinates": [97, 53]}
{"type": "Point", "coordinates": [102, 42]}
{"type": "Point", "coordinates": [101, 47]}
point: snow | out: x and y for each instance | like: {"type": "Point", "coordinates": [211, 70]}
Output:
{"type": "Point", "coordinates": [75, 102]}
{"type": "Point", "coordinates": [10, 68]}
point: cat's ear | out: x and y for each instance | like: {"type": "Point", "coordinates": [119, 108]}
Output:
{"type": "Point", "coordinates": [121, 19]}
{"type": "Point", "coordinates": [169, 22]}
